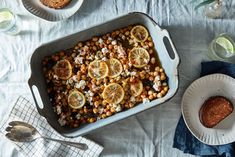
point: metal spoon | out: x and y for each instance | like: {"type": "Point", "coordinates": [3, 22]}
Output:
{"type": "Point", "coordinates": [23, 132]}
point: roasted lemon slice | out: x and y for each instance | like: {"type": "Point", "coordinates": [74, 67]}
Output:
{"type": "Point", "coordinates": [136, 87]}
{"type": "Point", "coordinates": [115, 67]}
{"type": "Point", "coordinates": [113, 93]}
{"type": "Point", "coordinates": [63, 69]}
{"type": "Point", "coordinates": [98, 69]}
{"type": "Point", "coordinates": [76, 99]}
{"type": "Point", "coordinates": [139, 33]}
{"type": "Point", "coordinates": [139, 57]}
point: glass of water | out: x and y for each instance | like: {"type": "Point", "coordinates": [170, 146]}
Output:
{"type": "Point", "coordinates": [222, 48]}
{"type": "Point", "coordinates": [9, 22]}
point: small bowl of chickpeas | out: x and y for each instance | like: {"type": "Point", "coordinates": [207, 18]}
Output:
{"type": "Point", "coordinates": [104, 76]}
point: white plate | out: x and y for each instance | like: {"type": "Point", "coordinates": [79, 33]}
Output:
{"type": "Point", "coordinates": [195, 95]}
{"type": "Point", "coordinates": [38, 9]}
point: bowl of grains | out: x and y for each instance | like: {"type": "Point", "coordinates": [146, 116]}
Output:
{"type": "Point", "coordinates": [103, 74]}
{"type": "Point", "coordinates": [52, 10]}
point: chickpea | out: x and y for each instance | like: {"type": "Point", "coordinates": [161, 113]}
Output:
{"type": "Point", "coordinates": [112, 80]}
{"type": "Point", "coordinates": [155, 73]}
{"type": "Point", "coordinates": [150, 51]}
{"type": "Point", "coordinates": [85, 110]}
{"type": "Point", "coordinates": [150, 44]}
{"type": "Point", "coordinates": [157, 69]}
{"type": "Point", "coordinates": [154, 95]}
{"type": "Point", "coordinates": [163, 76]}
{"type": "Point", "coordinates": [104, 103]}
{"type": "Point", "coordinates": [153, 60]}
{"type": "Point", "coordinates": [83, 68]}
{"type": "Point", "coordinates": [151, 97]}
{"type": "Point", "coordinates": [97, 103]}
{"type": "Point", "coordinates": [163, 92]}
{"type": "Point", "coordinates": [165, 89]}
{"type": "Point", "coordinates": [131, 105]}
{"type": "Point", "coordinates": [108, 113]}
{"type": "Point", "coordinates": [113, 110]}
{"type": "Point", "coordinates": [95, 110]}
{"type": "Point", "coordinates": [125, 66]}
{"type": "Point", "coordinates": [95, 39]}
{"type": "Point", "coordinates": [110, 47]}
{"type": "Point", "coordinates": [108, 107]}
{"type": "Point", "coordinates": [151, 78]}
{"type": "Point", "coordinates": [150, 92]}
{"type": "Point", "coordinates": [80, 44]}
{"type": "Point", "coordinates": [84, 77]}
{"type": "Point", "coordinates": [159, 95]}
{"type": "Point", "coordinates": [81, 111]}
{"type": "Point", "coordinates": [161, 70]}
{"type": "Point", "coordinates": [127, 33]}
{"type": "Point", "coordinates": [103, 116]}
{"type": "Point", "coordinates": [98, 82]}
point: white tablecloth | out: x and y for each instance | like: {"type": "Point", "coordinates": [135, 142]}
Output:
{"type": "Point", "coordinates": [149, 133]}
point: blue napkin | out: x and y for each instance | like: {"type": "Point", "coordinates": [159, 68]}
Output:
{"type": "Point", "coordinates": [185, 141]}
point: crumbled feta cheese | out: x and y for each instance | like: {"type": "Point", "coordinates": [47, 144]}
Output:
{"type": "Point", "coordinates": [86, 48]}
{"type": "Point", "coordinates": [114, 105]}
{"type": "Point", "coordinates": [133, 73]}
{"type": "Point", "coordinates": [55, 77]}
{"type": "Point", "coordinates": [132, 99]}
{"type": "Point", "coordinates": [78, 60]}
{"type": "Point", "coordinates": [127, 72]}
{"type": "Point", "coordinates": [164, 84]}
{"type": "Point", "coordinates": [114, 42]}
{"type": "Point", "coordinates": [58, 109]}
{"type": "Point", "coordinates": [156, 87]}
{"type": "Point", "coordinates": [118, 108]}
{"type": "Point", "coordinates": [129, 64]}
{"type": "Point", "coordinates": [81, 84]}
{"type": "Point", "coordinates": [110, 38]}
{"type": "Point", "coordinates": [59, 97]}
{"type": "Point", "coordinates": [78, 116]}
{"type": "Point", "coordinates": [75, 78]}
{"type": "Point", "coordinates": [101, 41]}
{"type": "Point", "coordinates": [100, 110]}
{"type": "Point", "coordinates": [69, 81]}
{"type": "Point", "coordinates": [62, 121]}
{"type": "Point", "coordinates": [157, 78]}
{"type": "Point", "coordinates": [104, 59]}
{"type": "Point", "coordinates": [121, 52]}
{"type": "Point", "coordinates": [146, 100]}
{"type": "Point", "coordinates": [104, 50]}
{"type": "Point", "coordinates": [97, 57]}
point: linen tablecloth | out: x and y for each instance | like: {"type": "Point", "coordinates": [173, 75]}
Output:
{"type": "Point", "coordinates": [149, 133]}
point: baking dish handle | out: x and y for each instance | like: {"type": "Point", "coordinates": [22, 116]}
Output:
{"type": "Point", "coordinates": [176, 59]}
{"type": "Point", "coordinates": [36, 96]}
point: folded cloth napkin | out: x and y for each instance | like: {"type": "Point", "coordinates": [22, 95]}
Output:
{"type": "Point", "coordinates": [185, 141]}
{"type": "Point", "coordinates": [25, 111]}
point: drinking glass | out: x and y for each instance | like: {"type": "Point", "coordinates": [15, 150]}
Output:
{"type": "Point", "coordinates": [9, 22]}
{"type": "Point", "coordinates": [222, 47]}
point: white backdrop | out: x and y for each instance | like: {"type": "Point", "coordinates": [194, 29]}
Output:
{"type": "Point", "coordinates": [149, 133]}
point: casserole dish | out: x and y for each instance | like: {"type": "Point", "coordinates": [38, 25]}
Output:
{"type": "Point", "coordinates": [38, 85]}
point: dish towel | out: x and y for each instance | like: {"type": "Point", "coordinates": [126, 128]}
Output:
{"type": "Point", "coordinates": [185, 141]}
{"type": "Point", "coordinates": [24, 110]}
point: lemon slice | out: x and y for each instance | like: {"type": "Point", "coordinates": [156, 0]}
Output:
{"type": "Point", "coordinates": [63, 69]}
{"type": "Point", "coordinates": [98, 69]}
{"type": "Point", "coordinates": [139, 57]}
{"type": "Point", "coordinates": [6, 16]}
{"type": "Point", "coordinates": [115, 67]}
{"type": "Point", "coordinates": [76, 99]}
{"type": "Point", "coordinates": [113, 93]}
{"type": "Point", "coordinates": [136, 87]}
{"type": "Point", "coordinates": [226, 44]}
{"type": "Point", "coordinates": [139, 33]}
